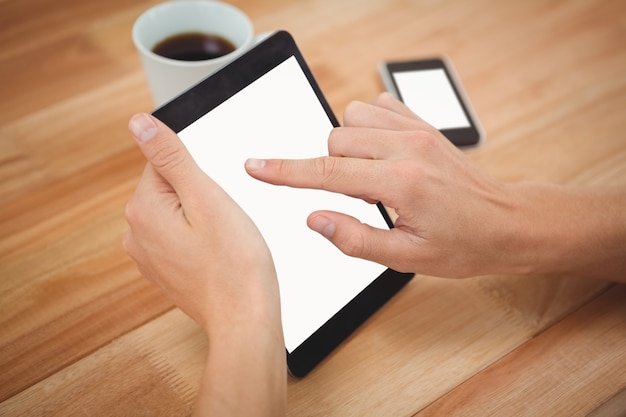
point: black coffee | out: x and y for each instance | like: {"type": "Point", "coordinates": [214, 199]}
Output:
{"type": "Point", "coordinates": [193, 46]}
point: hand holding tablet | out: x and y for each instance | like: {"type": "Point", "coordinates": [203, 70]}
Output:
{"type": "Point", "coordinates": [385, 154]}
{"type": "Point", "coordinates": [267, 104]}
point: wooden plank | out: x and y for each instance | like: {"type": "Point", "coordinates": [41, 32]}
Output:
{"type": "Point", "coordinates": [135, 375]}
{"type": "Point", "coordinates": [568, 370]}
{"type": "Point", "coordinates": [422, 352]}
{"type": "Point", "coordinates": [547, 82]}
{"type": "Point", "coordinates": [351, 375]}
{"type": "Point", "coordinates": [615, 407]}
{"type": "Point", "coordinates": [434, 335]}
{"type": "Point", "coordinates": [53, 53]}
{"type": "Point", "coordinates": [67, 286]}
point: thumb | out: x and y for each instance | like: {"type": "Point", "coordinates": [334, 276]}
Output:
{"type": "Point", "coordinates": [163, 150]}
{"type": "Point", "coordinates": [352, 237]}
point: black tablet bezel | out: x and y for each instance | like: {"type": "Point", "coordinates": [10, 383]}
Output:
{"type": "Point", "coordinates": [462, 137]}
{"type": "Point", "coordinates": [192, 104]}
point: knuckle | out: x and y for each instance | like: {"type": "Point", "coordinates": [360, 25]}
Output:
{"type": "Point", "coordinates": [284, 170]}
{"type": "Point", "coordinates": [168, 156]}
{"type": "Point", "coordinates": [136, 213]}
{"type": "Point", "coordinates": [354, 245]}
{"type": "Point", "coordinates": [423, 141]}
{"type": "Point", "coordinates": [325, 169]}
{"type": "Point", "coordinates": [127, 244]}
{"type": "Point", "coordinates": [340, 142]}
{"type": "Point", "coordinates": [334, 140]}
{"type": "Point", "coordinates": [130, 211]}
{"type": "Point", "coordinates": [384, 99]}
{"type": "Point", "coordinates": [352, 110]}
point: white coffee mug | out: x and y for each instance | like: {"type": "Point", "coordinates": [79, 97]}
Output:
{"type": "Point", "coordinates": [169, 77]}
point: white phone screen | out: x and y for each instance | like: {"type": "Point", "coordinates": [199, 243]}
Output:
{"type": "Point", "coordinates": [429, 94]}
{"type": "Point", "coordinates": [315, 278]}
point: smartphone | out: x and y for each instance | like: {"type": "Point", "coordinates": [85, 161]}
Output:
{"type": "Point", "coordinates": [431, 89]}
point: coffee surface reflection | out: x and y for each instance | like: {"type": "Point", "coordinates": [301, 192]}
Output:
{"type": "Point", "coordinates": [194, 46]}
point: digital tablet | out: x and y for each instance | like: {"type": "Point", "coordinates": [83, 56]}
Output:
{"type": "Point", "coordinates": [266, 104]}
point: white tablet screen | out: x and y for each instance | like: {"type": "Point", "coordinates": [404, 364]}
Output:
{"type": "Point", "coordinates": [279, 116]}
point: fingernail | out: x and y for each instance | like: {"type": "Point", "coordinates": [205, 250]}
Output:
{"type": "Point", "coordinates": [254, 164]}
{"type": "Point", "coordinates": [323, 226]}
{"type": "Point", "coordinates": [142, 127]}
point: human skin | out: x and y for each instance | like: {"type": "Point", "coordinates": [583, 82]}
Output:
{"type": "Point", "coordinates": [191, 239]}
{"type": "Point", "coordinates": [454, 220]}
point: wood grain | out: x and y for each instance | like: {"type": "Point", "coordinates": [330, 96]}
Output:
{"type": "Point", "coordinates": [81, 333]}
{"type": "Point", "coordinates": [141, 376]}
{"type": "Point", "coordinates": [570, 384]}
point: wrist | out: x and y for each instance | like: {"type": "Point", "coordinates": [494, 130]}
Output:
{"type": "Point", "coordinates": [538, 229]}
{"type": "Point", "coordinates": [246, 355]}
{"type": "Point", "coordinates": [567, 230]}
{"type": "Point", "coordinates": [254, 305]}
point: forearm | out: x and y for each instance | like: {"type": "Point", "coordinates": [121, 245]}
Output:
{"type": "Point", "coordinates": [245, 372]}
{"type": "Point", "coordinates": [572, 231]}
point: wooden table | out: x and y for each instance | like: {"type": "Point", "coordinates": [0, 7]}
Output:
{"type": "Point", "coordinates": [81, 333]}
